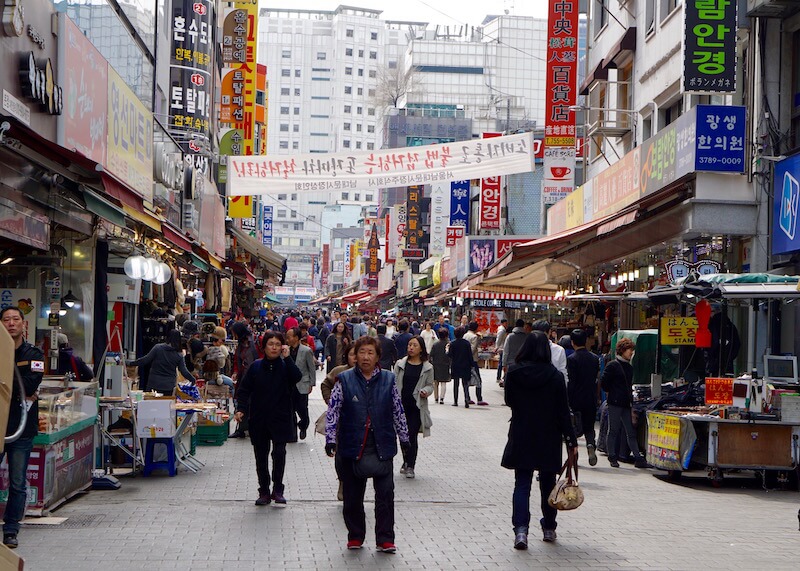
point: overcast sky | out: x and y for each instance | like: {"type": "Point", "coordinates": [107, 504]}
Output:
{"type": "Point", "coordinates": [450, 12]}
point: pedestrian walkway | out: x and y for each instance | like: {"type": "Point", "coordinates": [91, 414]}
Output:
{"type": "Point", "coordinates": [455, 515]}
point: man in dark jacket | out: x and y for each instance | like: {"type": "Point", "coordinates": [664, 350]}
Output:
{"type": "Point", "coordinates": [245, 355]}
{"type": "Point", "coordinates": [583, 390]}
{"type": "Point", "coordinates": [30, 363]}
{"type": "Point", "coordinates": [264, 397]}
{"type": "Point", "coordinates": [513, 344]}
{"type": "Point", "coordinates": [68, 362]}
{"type": "Point", "coordinates": [402, 338]}
{"type": "Point", "coordinates": [388, 349]}
{"type": "Point", "coordinates": [461, 365]}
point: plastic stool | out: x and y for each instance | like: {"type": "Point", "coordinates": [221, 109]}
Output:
{"type": "Point", "coordinates": [169, 465]}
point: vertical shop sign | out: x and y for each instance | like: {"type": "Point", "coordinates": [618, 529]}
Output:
{"type": "Point", "coordinates": [439, 218]}
{"type": "Point", "coordinates": [238, 97]}
{"type": "Point", "coordinates": [326, 264]}
{"type": "Point", "coordinates": [83, 124]}
{"type": "Point", "coordinates": [459, 203]}
{"type": "Point", "coordinates": [559, 174]}
{"type": "Point", "coordinates": [562, 73]}
{"type": "Point", "coordinates": [719, 137]}
{"type": "Point", "coordinates": [130, 137]}
{"type": "Point", "coordinates": [266, 227]}
{"type": "Point", "coordinates": [413, 230]}
{"type": "Point", "coordinates": [453, 235]}
{"type": "Point", "coordinates": [190, 69]}
{"type": "Point", "coordinates": [373, 261]}
{"type": "Point", "coordinates": [397, 227]}
{"type": "Point", "coordinates": [490, 203]}
{"type": "Point", "coordinates": [346, 274]}
{"type": "Point", "coordinates": [709, 46]}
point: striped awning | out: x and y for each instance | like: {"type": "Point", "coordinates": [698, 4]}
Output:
{"type": "Point", "coordinates": [506, 293]}
{"type": "Point", "coordinates": [359, 295]}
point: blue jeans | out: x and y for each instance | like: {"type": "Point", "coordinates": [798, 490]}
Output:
{"type": "Point", "coordinates": [227, 381]}
{"type": "Point", "coordinates": [521, 510]}
{"type": "Point", "coordinates": [19, 452]}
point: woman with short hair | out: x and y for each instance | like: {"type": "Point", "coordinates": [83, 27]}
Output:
{"type": "Point", "coordinates": [414, 376]}
{"type": "Point", "coordinates": [164, 359]}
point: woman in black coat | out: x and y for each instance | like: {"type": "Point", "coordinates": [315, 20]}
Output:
{"type": "Point", "coordinates": [540, 421]}
{"type": "Point", "coordinates": [265, 397]}
{"type": "Point", "coordinates": [163, 359]}
{"type": "Point", "coordinates": [336, 346]}
{"type": "Point", "coordinates": [461, 364]}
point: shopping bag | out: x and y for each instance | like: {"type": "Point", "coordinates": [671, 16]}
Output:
{"type": "Point", "coordinates": [567, 494]}
{"type": "Point", "coordinates": [319, 425]}
{"type": "Point", "coordinates": [474, 377]}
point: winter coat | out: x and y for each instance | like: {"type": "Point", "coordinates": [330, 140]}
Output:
{"type": "Point", "coordinates": [583, 368]}
{"type": "Point", "coordinates": [440, 361]}
{"type": "Point", "coordinates": [30, 362]}
{"type": "Point", "coordinates": [513, 344]}
{"type": "Point", "coordinates": [540, 418]}
{"type": "Point", "coordinates": [461, 361]}
{"type": "Point", "coordinates": [308, 368]}
{"type": "Point", "coordinates": [265, 397]}
{"type": "Point", "coordinates": [331, 349]}
{"type": "Point", "coordinates": [163, 361]}
{"type": "Point", "coordinates": [474, 341]}
{"type": "Point", "coordinates": [617, 381]}
{"type": "Point", "coordinates": [388, 352]}
{"type": "Point", "coordinates": [401, 343]}
{"type": "Point", "coordinates": [425, 383]}
{"type": "Point", "coordinates": [68, 362]}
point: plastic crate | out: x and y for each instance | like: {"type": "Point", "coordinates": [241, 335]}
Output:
{"type": "Point", "coordinates": [212, 434]}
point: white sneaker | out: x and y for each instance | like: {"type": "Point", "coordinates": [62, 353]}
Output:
{"type": "Point", "coordinates": [410, 473]}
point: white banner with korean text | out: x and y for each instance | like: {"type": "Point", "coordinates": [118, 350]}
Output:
{"type": "Point", "coordinates": [462, 160]}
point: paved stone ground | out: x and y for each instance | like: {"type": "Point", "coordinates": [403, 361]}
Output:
{"type": "Point", "coordinates": [454, 515]}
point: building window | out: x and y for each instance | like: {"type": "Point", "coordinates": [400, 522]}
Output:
{"type": "Point", "coordinates": [348, 70]}
{"type": "Point", "coordinates": [286, 73]}
{"type": "Point", "coordinates": [373, 55]}
{"type": "Point", "coordinates": [347, 126]}
{"type": "Point", "coordinates": [373, 74]}
{"type": "Point", "coordinates": [281, 212]}
{"type": "Point", "coordinates": [360, 53]}
{"type": "Point", "coordinates": [295, 128]}
{"type": "Point", "coordinates": [297, 73]}
{"type": "Point", "coordinates": [370, 146]}
{"type": "Point", "coordinates": [293, 214]}
{"type": "Point", "coordinates": [600, 15]}
{"type": "Point", "coordinates": [346, 143]}
{"type": "Point", "coordinates": [393, 64]}
{"type": "Point", "coordinates": [369, 198]}
{"type": "Point", "coordinates": [284, 91]}
{"type": "Point", "coordinates": [359, 110]}
{"type": "Point", "coordinates": [298, 226]}
{"type": "Point", "coordinates": [357, 197]}
{"type": "Point", "coordinates": [358, 146]}
{"type": "Point", "coordinates": [297, 111]}
{"type": "Point", "coordinates": [348, 51]}
{"type": "Point", "coordinates": [285, 127]}
{"type": "Point", "coordinates": [358, 127]}
{"type": "Point", "coordinates": [282, 197]}
{"type": "Point", "coordinates": [276, 240]}
{"type": "Point", "coordinates": [286, 54]}
{"type": "Point", "coordinates": [361, 91]}
{"type": "Point", "coordinates": [294, 196]}
{"type": "Point", "coordinates": [284, 144]}
{"type": "Point", "coordinates": [295, 145]}
{"type": "Point", "coordinates": [667, 6]}
{"type": "Point", "coordinates": [297, 92]}
{"type": "Point", "coordinates": [349, 32]}
{"type": "Point", "coordinates": [348, 90]}
{"type": "Point", "coordinates": [348, 109]}
{"type": "Point", "coordinates": [321, 56]}
{"type": "Point", "coordinates": [360, 72]}
{"type": "Point", "coordinates": [650, 16]}
{"type": "Point", "coordinates": [373, 35]}
{"type": "Point", "coordinates": [284, 110]}
{"type": "Point", "coordinates": [345, 196]}
{"type": "Point", "coordinates": [370, 128]}
{"type": "Point", "coordinates": [285, 226]}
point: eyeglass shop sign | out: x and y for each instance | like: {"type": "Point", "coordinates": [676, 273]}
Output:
{"type": "Point", "coordinates": [709, 46]}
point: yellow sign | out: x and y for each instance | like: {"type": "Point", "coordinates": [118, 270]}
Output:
{"type": "Point", "coordinates": [678, 330]}
{"type": "Point", "coordinates": [664, 431]}
{"type": "Point", "coordinates": [240, 207]}
{"type": "Point", "coordinates": [574, 205]}
{"type": "Point", "coordinates": [130, 137]}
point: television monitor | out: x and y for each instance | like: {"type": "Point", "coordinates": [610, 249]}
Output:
{"type": "Point", "coordinates": [781, 368]}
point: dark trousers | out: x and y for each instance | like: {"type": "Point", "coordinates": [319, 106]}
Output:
{"type": "Point", "coordinates": [464, 381]}
{"type": "Point", "coordinates": [617, 416]}
{"type": "Point", "coordinates": [414, 421]}
{"type": "Point", "coordinates": [18, 454]}
{"type": "Point", "coordinates": [353, 490]}
{"type": "Point", "coordinates": [521, 510]}
{"type": "Point", "coordinates": [587, 418]}
{"type": "Point", "coordinates": [262, 441]}
{"type": "Point", "coordinates": [500, 365]}
{"type": "Point", "coordinates": [300, 405]}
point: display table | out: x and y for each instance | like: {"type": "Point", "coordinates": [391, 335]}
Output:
{"type": "Point", "coordinates": [61, 461]}
{"type": "Point", "coordinates": [718, 444]}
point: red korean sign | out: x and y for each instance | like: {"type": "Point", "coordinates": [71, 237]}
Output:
{"type": "Point", "coordinates": [326, 264]}
{"type": "Point", "coordinates": [453, 235]}
{"type": "Point", "coordinates": [504, 246]}
{"type": "Point", "coordinates": [562, 73]}
{"type": "Point", "coordinates": [490, 198]}
{"type": "Point", "coordinates": [719, 391]}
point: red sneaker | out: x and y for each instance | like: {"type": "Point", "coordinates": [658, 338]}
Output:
{"type": "Point", "coordinates": [355, 544]}
{"type": "Point", "coordinates": [483, 403]}
{"type": "Point", "coordinates": [387, 547]}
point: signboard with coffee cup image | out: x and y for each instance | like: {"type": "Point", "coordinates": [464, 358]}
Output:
{"type": "Point", "coordinates": [559, 173]}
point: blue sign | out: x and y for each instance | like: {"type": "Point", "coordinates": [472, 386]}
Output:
{"type": "Point", "coordinates": [786, 194]}
{"type": "Point", "coordinates": [720, 138]}
{"type": "Point", "coordinates": [459, 203]}
{"type": "Point", "coordinates": [266, 228]}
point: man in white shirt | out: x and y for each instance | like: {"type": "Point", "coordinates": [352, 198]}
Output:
{"type": "Point", "coordinates": [557, 354]}
{"type": "Point", "coordinates": [502, 332]}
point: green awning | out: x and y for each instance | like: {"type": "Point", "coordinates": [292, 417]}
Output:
{"type": "Point", "coordinates": [271, 298]}
{"type": "Point", "coordinates": [199, 262]}
{"type": "Point", "coordinates": [103, 208]}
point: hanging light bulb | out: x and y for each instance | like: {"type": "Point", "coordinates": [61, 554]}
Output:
{"type": "Point", "coordinates": [135, 267]}
{"type": "Point", "coordinates": [630, 276]}
{"type": "Point", "coordinates": [69, 299]}
{"type": "Point", "coordinates": [151, 269]}
{"type": "Point", "coordinates": [651, 270]}
{"type": "Point", "coordinates": [636, 274]}
{"type": "Point", "coordinates": [613, 280]}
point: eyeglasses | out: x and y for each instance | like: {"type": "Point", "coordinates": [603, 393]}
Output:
{"type": "Point", "coordinates": [278, 345]}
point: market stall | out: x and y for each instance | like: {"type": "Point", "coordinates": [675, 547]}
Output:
{"type": "Point", "coordinates": [61, 462]}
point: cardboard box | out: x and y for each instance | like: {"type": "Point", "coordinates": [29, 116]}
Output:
{"type": "Point", "coordinates": [156, 419]}
{"type": "Point", "coordinates": [7, 363]}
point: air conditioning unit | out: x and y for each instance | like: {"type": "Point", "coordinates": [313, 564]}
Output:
{"type": "Point", "coordinates": [772, 8]}
{"type": "Point", "coordinates": [189, 215]}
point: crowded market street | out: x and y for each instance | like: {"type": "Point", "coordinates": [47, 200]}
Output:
{"type": "Point", "coordinates": [454, 515]}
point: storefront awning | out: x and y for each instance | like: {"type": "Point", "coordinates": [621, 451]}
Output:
{"type": "Point", "coordinates": [272, 259]}
{"type": "Point", "coordinates": [175, 237]}
{"type": "Point", "coordinates": [143, 217]}
{"type": "Point", "coordinates": [198, 262]}
{"type": "Point", "coordinates": [103, 208]}
{"type": "Point", "coordinates": [359, 295]}
{"type": "Point", "coordinates": [545, 274]}
{"type": "Point", "coordinates": [506, 293]}
{"type": "Point", "coordinates": [271, 298]}
{"type": "Point", "coordinates": [241, 271]}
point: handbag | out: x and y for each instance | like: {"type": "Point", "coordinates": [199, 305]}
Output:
{"type": "Point", "coordinates": [474, 377]}
{"type": "Point", "coordinates": [566, 495]}
{"type": "Point", "coordinates": [369, 464]}
{"type": "Point", "coordinates": [319, 425]}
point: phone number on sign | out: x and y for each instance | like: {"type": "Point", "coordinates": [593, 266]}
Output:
{"type": "Point", "coordinates": [721, 160]}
